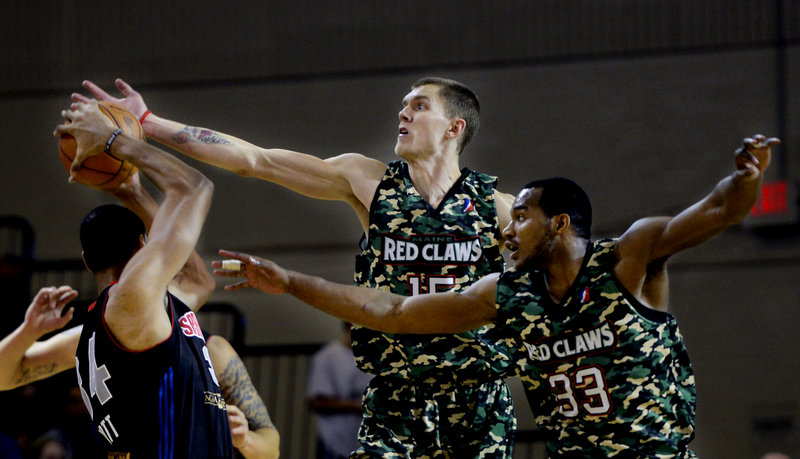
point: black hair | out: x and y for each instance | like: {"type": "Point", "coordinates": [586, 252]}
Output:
{"type": "Point", "coordinates": [563, 196]}
{"type": "Point", "coordinates": [459, 102]}
{"type": "Point", "coordinates": [110, 236]}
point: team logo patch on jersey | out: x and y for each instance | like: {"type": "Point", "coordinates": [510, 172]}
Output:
{"type": "Point", "coordinates": [574, 344]}
{"type": "Point", "coordinates": [585, 296]}
{"type": "Point", "coordinates": [430, 249]}
{"type": "Point", "coordinates": [468, 205]}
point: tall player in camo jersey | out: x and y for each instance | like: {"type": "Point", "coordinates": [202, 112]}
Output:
{"type": "Point", "coordinates": [429, 226]}
{"type": "Point", "coordinates": [584, 324]}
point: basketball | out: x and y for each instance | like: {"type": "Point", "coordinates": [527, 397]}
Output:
{"type": "Point", "coordinates": [103, 170]}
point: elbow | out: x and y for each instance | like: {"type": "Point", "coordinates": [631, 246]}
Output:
{"type": "Point", "coordinates": [203, 184]}
{"type": "Point", "coordinates": [249, 164]}
{"type": "Point", "coordinates": [394, 321]}
{"type": "Point", "coordinates": [274, 450]}
{"type": "Point", "coordinates": [190, 181]}
{"type": "Point", "coordinates": [197, 185]}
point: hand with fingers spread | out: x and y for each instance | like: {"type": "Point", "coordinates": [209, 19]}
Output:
{"type": "Point", "coordinates": [24, 358]}
{"type": "Point", "coordinates": [133, 101]}
{"type": "Point", "coordinates": [259, 273]}
{"type": "Point", "coordinates": [44, 313]}
{"type": "Point", "coordinates": [91, 130]}
{"type": "Point", "coordinates": [753, 157]}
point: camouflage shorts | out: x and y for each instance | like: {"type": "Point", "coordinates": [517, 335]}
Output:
{"type": "Point", "coordinates": [451, 420]}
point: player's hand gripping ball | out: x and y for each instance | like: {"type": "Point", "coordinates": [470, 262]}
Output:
{"type": "Point", "coordinates": [103, 170]}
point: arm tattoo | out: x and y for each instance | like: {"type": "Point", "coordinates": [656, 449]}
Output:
{"type": "Point", "coordinates": [238, 390]}
{"type": "Point", "coordinates": [30, 374]}
{"type": "Point", "coordinates": [193, 134]}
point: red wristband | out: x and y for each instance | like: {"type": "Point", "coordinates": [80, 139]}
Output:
{"type": "Point", "coordinates": [144, 115]}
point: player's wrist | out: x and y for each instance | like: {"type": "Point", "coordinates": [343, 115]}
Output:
{"type": "Point", "coordinates": [246, 441]}
{"type": "Point", "coordinates": [111, 139]}
{"type": "Point", "coordinates": [144, 116]}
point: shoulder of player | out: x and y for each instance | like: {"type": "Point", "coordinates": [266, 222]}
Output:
{"type": "Point", "coordinates": [641, 237]}
{"type": "Point", "coordinates": [362, 173]}
{"type": "Point", "coordinates": [503, 204]}
{"type": "Point", "coordinates": [359, 165]}
{"type": "Point", "coordinates": [220, 351]}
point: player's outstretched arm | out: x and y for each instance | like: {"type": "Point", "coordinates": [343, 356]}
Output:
{"type": "Point", "coordinates": [445, 312]}
{"type": "Point", "coordinates": [351, 178]}
{"type": "Point", "coordinates": [644, 248]}
{"type": "Point", "coordinates": [726, 205]}
{"type": "Point", "coordinates": [252, 430]}
{"type": "Point", "coordinates": [193, 284]}
{"type": "Point", "coordinates": [23, 359]}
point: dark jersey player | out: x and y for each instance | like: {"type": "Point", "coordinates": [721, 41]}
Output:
{"type": "Point", "coordinates": [143, 367]}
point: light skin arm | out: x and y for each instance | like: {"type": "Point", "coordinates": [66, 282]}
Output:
{"type": "Point", "coordinates": [23, 359]}
{"type": "Point", "coordinates": [246, 410]}
{"type": "Point", "coordinates": [445, 312]}
{"type": "Point", "coordinates": [135, 310]}
{"type": "Point", "coordinates": [193, 284]}
{"type": "Point", "coordinates": [351, 178]}
{"type": "Point", "coordinates": [644, 248]}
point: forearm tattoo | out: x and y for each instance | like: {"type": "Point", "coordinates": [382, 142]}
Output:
{"type": "Point", "coordinates": [194, 134]}
{"type": "Point", "coordinates": [238, 390]}
{"type": "Point", "coordinates": [35, 373]}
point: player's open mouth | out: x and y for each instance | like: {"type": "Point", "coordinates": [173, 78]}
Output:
{"type": "Point", "coordinates": [512, 249]}
{"type": "Point", "coordinates": [402, 131]}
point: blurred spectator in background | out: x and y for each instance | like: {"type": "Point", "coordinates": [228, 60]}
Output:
{"type": "Point", "coordinates": [335, 388]}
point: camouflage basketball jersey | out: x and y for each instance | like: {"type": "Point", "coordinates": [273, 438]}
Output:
{"type": "Point", "coordinates": [605, 376]}
{"type": "Point", "coordinates": [412, 248]}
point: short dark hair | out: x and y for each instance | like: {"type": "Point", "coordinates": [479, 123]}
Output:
{"type": "Point", "coordinates": [459, 102]}
{"type": "Point", "coordinates": [563, 196]}
{"type": "Point", "coordinates": [110, 236]}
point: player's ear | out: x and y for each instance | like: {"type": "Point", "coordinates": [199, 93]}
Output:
{"type": "Point", "coordinates": [561, 223]}
{"type": "Point", "coordinates": [83, 257]}
{"type": "Point", "coordinates": [457, 126]}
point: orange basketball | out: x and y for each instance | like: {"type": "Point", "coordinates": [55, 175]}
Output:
{"type": "Point", "coordinates": [103, 170]}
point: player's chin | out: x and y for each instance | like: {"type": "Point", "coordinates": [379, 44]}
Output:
{"type": "Point", "coordinates": [519, 262]}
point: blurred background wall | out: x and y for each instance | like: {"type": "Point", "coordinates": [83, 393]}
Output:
{"type": "Point", "coordinates": [642, 103]}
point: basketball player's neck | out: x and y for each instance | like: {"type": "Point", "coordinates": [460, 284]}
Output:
{"type": "Point", "coordinates": [106, 277]}
{"type": "Point", "coordinates": [433, 177]}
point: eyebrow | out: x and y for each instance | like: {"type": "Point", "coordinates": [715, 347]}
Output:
{"type": "Point", "coordinates": [417, 97]}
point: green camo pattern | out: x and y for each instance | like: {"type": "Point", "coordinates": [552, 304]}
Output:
{"type": "Point", "coordinates": [605, 375]}
{"type": "Point", "coordinates": [440, 418]}
{"type": "Point", "coordinates": [400, 211]}
{"type": "Point", "coordinates": [434, 395]}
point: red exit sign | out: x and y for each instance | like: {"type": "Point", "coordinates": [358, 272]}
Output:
{"type": "Point", "coordinates": [772, 201]}
{"type": "Point", "coordinates": [777, 205]}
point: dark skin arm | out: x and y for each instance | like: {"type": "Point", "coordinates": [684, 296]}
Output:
{"type": "Point", "coordinates": [643, 250]}
{"type": "Point", "coordinates": [135, 309]}
{"type": "Point", "coordinates": [193, 284]}
{"type": "Point", "coordinates": [445, 312]}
